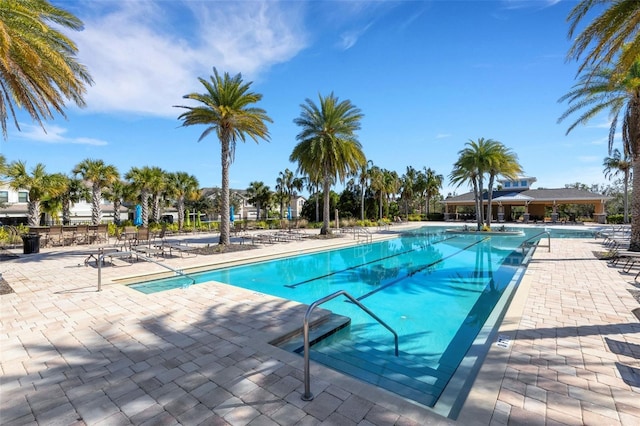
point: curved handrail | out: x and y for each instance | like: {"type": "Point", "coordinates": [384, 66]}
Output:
{"type": "Point", "coordinates": [307, 395]}
{"type": "Point", "coordinates": [147, 259]}
{"type": "Point", "coordinates": [537, 235]}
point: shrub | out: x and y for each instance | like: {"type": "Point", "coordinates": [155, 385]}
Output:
{"type": "Point", "coordinates": [615, 218]}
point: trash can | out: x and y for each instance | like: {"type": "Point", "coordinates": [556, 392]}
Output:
{"type": "Point", "coordinates": [31, 243]}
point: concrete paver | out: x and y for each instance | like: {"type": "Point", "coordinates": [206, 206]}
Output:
{"type": "Point", "coordinates": [72, 355]}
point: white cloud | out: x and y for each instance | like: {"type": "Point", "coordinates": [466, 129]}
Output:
{"type": "Point", "coordinates": [443, 135]}
{"type": "Point", "coordinates": [349, 38]}
{"type": "Point", "coordinates": [144, 56]}
{"type": "Point", "coordinates": [54, 135]}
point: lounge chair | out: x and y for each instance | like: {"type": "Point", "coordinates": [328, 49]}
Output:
{"type": "Point", "coordinates": [142, 243]}
{"type": "Point", "coordinates": [183, 249]}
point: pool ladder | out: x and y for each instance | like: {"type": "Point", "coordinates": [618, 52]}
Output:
{"type": "Point", "coordinates": [547, 233]}
{"type": "Point", "coordinates": [100, 261]}
{"type": "Point", "coordinates": [307, 395]}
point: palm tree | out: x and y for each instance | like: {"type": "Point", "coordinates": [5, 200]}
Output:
{"type": "Point", "coordinates": [613, 36]}
{"type": "Point", "coordinates": [602, 90]}
{"type": "Point", "coordinates": [501, 162]}
{"type": "Point", "coordinates": [118, 192]}
{"type": "Point", "coordinates": [75, 190]}
{"type": "Point", "coordinates": [141, 180]}
{"type": "Point", "coordinates": [38, 183]}
{"type": "Point", "coordinates": [465, 171]}
{"type": "Point", "coordinates": [258, 193]}
{"type": "Point", "coordinates": [432, 186]}
{"type": "Point", "coordinates": [409, 184]}
{"type": "Point", "coordinates": [38, 67]}
{"type": "Point", "coordinates": [377, 184]}
{"type": "Point", "coordinates": [157, 186]}
{"type": "Point", "coordinates": [327, 144]}
{"type": "Point", "coordinates": [287, 184]}
{"type": "Point", "coordinates": [182, 186]}
{"type": "Point", "coordinates": [363, 179]}
{"type": "Point", "coordinates": [614, 165]}
{"type": "Point", "coordinates": [99, 175]}
{"type": "Point", "coordinates": [226, 111]}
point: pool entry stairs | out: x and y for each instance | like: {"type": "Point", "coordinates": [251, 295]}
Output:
{"type": "Point", "coordinates": [406, 375]}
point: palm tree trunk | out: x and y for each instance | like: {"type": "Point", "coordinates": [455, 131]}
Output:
{"type": "Point", "coordinates": [224, 214]}
{"type": "Point", "coordinates": [34, 212]}
{"type": "Point", "coordinates": [116, 210]}
{"type": "Point", "coordinates": [625, 200]}
{"type": "Point", "coordinates": [327, 206]}
{"type": "Point", "coordinates": [634, 244]}
{"type": "Point", "coordinates": [489, 198]}
{"type": "Point", "coordinates": [144, 205]}
{"type": "Point", "coordinates": [180, 213]}
{"type": "Point", "coordinates": [362, 203]}
{"type": "Point", "coordinates": [96, 212]}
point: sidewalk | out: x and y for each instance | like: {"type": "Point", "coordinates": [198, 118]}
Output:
{"type": "Point", "coordinates": [72, 355]}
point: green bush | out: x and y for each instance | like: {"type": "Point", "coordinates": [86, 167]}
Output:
{"type": "Point", "coordinates": [615, 218]}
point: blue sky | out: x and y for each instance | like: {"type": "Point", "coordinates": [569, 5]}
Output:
{"type": "Point", "coordinates": [428, 76]}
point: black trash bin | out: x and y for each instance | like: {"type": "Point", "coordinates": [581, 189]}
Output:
{"type": "Point", "coordinates": [31, 243]}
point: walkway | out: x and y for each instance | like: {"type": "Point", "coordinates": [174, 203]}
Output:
{"type": "Point", "coordinates": [569, 352]}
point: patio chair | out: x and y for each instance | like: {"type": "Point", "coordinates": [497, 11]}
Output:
{"type": "Point", "coordinates": [142, 243]}
{"type": "Point", "coordinates": [183, 249]}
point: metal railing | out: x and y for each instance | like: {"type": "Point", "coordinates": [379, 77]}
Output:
{"type": "Point", "coordinates": [100, 261]}
{"type": "Point", "coordinates": [536, 236]}
{"type": "Point", "coordinates": [358, 231]}
{"type": "Point", "coordinates": [307, 395]}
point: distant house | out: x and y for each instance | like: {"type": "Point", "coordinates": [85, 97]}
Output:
{"type": "Point", "coordinates": [14, 209]}
{"type": "Point", "coordinates": [518, 195]}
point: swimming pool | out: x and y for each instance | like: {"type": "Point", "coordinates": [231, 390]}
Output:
{"type": "Point", "coordinates": [436, 290]}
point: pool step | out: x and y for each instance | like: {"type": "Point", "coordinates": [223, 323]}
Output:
{"type": "Point", "coordinates": [318, 331]}
{"type": "Point", "coordinates": [407, 375]}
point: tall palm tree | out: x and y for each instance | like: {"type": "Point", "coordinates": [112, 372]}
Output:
{"type": "Point", "coordinates": [141, 180]}
{"type": "Point", "coordinates": [38, 66]}
{"type": "Point", "coordinates": [409, 184]}
{"type": "Point", "coordinates": [605, 90]}
{"type": "Point", "coordinates": [432, 186]}
{"type": "Point", "coordinates": [157, 187]}
{"type": "Point", "coordinates": [377, 184]}
{"type": "Point", "coordinates": [38, 183]}
{"type": "Point", "coordinates": [98, 174]}
{"type": "Point", "coordinates": [182, 186]}
{"type": "Point", "coordinates": [613, 37]}
{"type": "Point", "coordinates": [502, 161]}
{"type": "Point", "coordinates": [226, 110]}
{"type": "Point", "coordinates": [465, 171]}
{"type": "Point", "coordinates": [118, 192]}
{"type": "Point", "coordinates": [363, 180]}
{"type": "Point", "coordinates": [328, 145]}
{"type": "Point", "coordinates": [614, 165]}
{"type": "Point", "coordinates": [287, 183]}
{"type": "Point", "coordinates": [74, 191]}
{"type": "Point", "coordinates": [259, 194]}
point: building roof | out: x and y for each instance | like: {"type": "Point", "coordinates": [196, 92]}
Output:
{"type": "Point", "coordinates": [559, 195]}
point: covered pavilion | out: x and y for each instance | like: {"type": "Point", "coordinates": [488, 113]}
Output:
{"type": "Point", "coordinates": [517, 193]}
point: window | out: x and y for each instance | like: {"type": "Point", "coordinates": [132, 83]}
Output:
{"type": "Point", "coordinates": [507, 184]}
{"type": "Point", "coordinates": [23, 197]}
{"type": "Point", "coordinates": [4, 196]}
{"type": "Point", "coordinates": [523, 183]}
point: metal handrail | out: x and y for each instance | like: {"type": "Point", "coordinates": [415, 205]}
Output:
{"type": "Point", "coordinates": [362, 231]}
{"type": "Point", "coordinates": [147, 259]}
{"type": "Point", "coordinates": [307, 395]}
{"type": "Point", "coordinates": [537, 235]}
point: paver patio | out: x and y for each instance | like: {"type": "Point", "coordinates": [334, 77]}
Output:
{"type": "Point", "coordinates": [72, 355]}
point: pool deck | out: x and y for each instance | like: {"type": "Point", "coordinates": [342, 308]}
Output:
{"type": "Point", "coordinates": [568, 349]}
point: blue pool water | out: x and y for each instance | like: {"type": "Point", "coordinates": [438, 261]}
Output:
{"type": "Point", "coordinates": [435, 289]}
